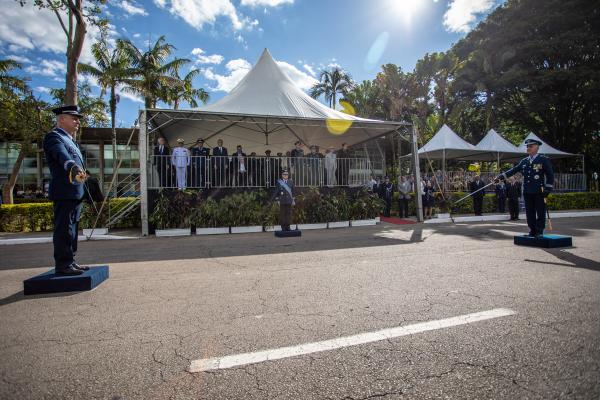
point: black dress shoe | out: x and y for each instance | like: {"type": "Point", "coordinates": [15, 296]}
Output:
{"type": "Point", "coordinates": [531, 234]}
{"type": "Point", "coordinates": [80, 267]}
{"type": "Point", "coordinates": [70, 270]}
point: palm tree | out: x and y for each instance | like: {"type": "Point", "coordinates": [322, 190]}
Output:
{"type": "Point", "coordinates": [151, 71]}
{"type": "Point", "coordinates": [185, 91]}
{"type": "Point", "coordinates": [330, 84]}
{"type": "Point", "coordinates": [112, 70]}
{"type": "Point", "coordinates": [11, 82]}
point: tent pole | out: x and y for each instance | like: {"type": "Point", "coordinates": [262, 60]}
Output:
{"type": "Point", "coordinates": [417, 172]}
{"type": "Point", "coordinates": [143, 150]}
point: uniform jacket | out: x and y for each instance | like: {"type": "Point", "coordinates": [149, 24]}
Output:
{"type": "Point", "coordinates": [62, 153]}
{"type": "Point", "coordinates": [538, 175]}
{"type": "Point", "coordinates": [282, 194]}
{"type": "Point", "coordinates": [501, 190]}
{"type": "Point", "coordinates": [387, 191]}
{"type": "Point", "coordinates": [198, 153]}
{"type": "Point", "coordinates": [180, 157]}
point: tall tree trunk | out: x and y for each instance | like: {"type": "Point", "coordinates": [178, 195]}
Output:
{"type": "Point", "coordinates": [74, 51]}
{"type": "Point", "coordinates": [7, 189]}
{"type": "Point", "coordinates": [113, 116]}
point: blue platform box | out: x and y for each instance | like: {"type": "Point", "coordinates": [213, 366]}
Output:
{"type": "Point", "coordinates": [49, 282]}
{"type": "Point", "coordinates": [547, 241]}
{"type": "Point", "coordinates": [294, 233]}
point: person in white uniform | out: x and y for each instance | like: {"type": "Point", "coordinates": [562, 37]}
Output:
{"type": "Point", "coordinates": [180, 159]}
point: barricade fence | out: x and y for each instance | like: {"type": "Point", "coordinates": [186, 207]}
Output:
{"type": "Point", "coordinates": [458, 181]}
{"type": "Point", "coordinates": [199, 172]}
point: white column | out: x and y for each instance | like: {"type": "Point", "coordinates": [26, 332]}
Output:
{"type": "Point", "coordinates": [417, 172]}
{"type": "Point", "coordinates": [143, 150]}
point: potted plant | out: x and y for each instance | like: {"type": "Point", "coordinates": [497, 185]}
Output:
{"type": "Point", "coordinates": [208, 218]}
{"type": "Point", "coordinates": [338, 208]}
{"type": "Point", "coordinates": [88, 218]}
{"type": "Point", "coordinates": [365, 208]}
{"type": "Point", "coordinates": [312, 210]}
{"type": "Point", "coordinates": [171, 213]}
{"type": "Point", "coordinates": [443, 203]}
{"type": "Point", "coordinates": [271, 217]}
{"type": "Point", "coordinates": [244, 211]}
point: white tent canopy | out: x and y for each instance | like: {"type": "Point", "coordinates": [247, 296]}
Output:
{"type": "Point", "coordinates": [545, 148]}
{"type": "Point", "coordinates": [497, 148]}
{"type": "Point", "coordinates": [266, 110]}
{"type": "Point", "coordinates": [446, 144]}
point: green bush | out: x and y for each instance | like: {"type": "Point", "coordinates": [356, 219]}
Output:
{"type": "Point", "coordinates": [172, 209]}
{"type": "Point", "coordinates": [32, 217]}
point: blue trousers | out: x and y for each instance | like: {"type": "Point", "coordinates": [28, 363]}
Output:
{"type": "Point", "coordinates": [535, 210]}
{"type": "Point", "coordinates": [66, 225]}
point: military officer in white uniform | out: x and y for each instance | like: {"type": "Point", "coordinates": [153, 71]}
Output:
{"type": "Point", "coordinates": [180, 159]}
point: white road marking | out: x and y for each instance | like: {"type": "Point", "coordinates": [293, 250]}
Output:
{"type": "Point", "coordinates": [207, 364]}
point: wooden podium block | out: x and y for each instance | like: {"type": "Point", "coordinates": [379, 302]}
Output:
{"type": "Point", "coordinates": [547, 241]}
{"type": "Point", "coordinates": [294, 233]}
{"type": "Point", "coordinates": [49, 282]}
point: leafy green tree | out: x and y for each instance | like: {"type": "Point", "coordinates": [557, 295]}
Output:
{"type": "Point", "coordinates": [94, 109]}
{"type": "Point", "coordinates": [152, 72]}
{"type": "Point", "coordinates": [23, 121]}
{"type": "Point", "coordinates": [331, 83]}
{"type": "Point", "coordinates": [365, 99]}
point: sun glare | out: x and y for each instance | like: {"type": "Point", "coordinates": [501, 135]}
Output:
{"type": "Point", "coordinates": [406, 10]}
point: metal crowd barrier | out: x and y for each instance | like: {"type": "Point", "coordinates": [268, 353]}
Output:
{"type": "Point", "coordinates": [199, 172]}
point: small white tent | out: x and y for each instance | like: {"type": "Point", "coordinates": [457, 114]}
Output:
{"type": "Point", "coordinates": [266, 110]}
{"type": "Point", "coordinates": [545, 148]}
{"type": "Point", "coordinates": [496, 148]}
{"type": "Point", "coordinates": [446, 144]}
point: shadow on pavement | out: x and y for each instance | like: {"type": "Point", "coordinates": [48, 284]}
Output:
{"type": "Point", "coordinates": [19, 296]}
{"type": "Point", "coordinates": [199, 247]}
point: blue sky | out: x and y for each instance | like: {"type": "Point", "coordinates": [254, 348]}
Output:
{"type": "Point", "coordinates": [224, 38]}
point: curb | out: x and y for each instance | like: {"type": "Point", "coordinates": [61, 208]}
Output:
{"type": "Point", "coordinates": [483, 218]}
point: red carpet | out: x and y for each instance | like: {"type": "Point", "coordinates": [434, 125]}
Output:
{"type": "Point", "coordinates": [397, 221]}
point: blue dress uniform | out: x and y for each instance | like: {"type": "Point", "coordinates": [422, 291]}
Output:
{"type": "Point", "coordinates": [63, 158]}
{"type": "Point", "coordinates": [538, 182]}
{"type": "Point", "coordinates": [285, 196]}
{"type": "Point", "coordinates": [198, 167]}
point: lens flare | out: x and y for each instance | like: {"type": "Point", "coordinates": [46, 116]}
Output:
{"type": "Point", "coordinates": [340, 126]}
{"type": "Point", "coordinates": [376, 51]}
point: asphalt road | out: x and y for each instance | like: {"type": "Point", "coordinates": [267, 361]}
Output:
{"type": "Point", "coordinates": [170, 301]}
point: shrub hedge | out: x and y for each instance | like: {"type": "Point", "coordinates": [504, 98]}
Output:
{"type": "Point", "coordinates": [312, 206]}
{"type": "Point", "coordinates": [32, 217]}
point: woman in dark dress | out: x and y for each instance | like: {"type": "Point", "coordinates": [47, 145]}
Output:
{"type": "Point", "coordinates": [428, 200]}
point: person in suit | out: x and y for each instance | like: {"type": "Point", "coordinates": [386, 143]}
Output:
{"type": "Point", "coordinates": [538, 183]}
{"type": "Point", "coordinates": [297, 163]}
{"type": "Point", "coordinates": [239, 167]}
{"type": "Point", "coordinates": [476, 185]}
{"type": "Point", "coordinates": [220, 165]}
{"type": "Point", "coordinates": [66, 189]}
{"type": "Point", "coordinates": [501, 196]}
{"type": "Point", "coordinates": [199, 155]}
{"type": "Point", "coordinates": [180, 159]}
{"type": "Point", "coordinates": [161, 153]}
{"type": "Point", "coordinates": [343, 168]}
{"type": "Point", "coordinates": [404, 189]}
{"type": "Point", "coordinates": [270, 169]}
{"type": "Point", "coordinates": [387, 194]}
{"type": "Point", "coordinates": [285, 196]}
{"type": "Point", "coordinates": [513, 194]}
{"type": "Point", "coordinates": [313, 164]}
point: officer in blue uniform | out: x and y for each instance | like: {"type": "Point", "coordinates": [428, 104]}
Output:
{"type": "Point", "coordinates": [538, 183]}
{"type": "Point", "coordinates": [285, 196]}
{"type": "Point", "coordinates": [66, 189]}
{"type": "Point", "coordinates": [198, 168]}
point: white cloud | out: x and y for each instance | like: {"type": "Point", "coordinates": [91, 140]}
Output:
{"type": "Point", "coordinates": [47, 68]}
{"type": "Point", "coordinates": [125, 95]}
{"type": "Point", "coordinates": [462, 14]}
{"type": "Point", "coordinates": [334, 65]}
{"type": "Point", "coordinates": [131, 8]}
{"type": "Point", "coordinates": [238, 68]}
{"type": "Point", "coordinates": [42, 89]}
{"type": "Point", "coordinates": [197, 13]}
{"type": "Point", "coordinates": [29, 28]}
{"type": "Point", "coordinates": [309, 69]}
{"type": "Point", "coordinates": [136, 35]}
{"type": "Point", "coordinates": [21, 59]}
{"type": "Point", "coordinates": [266, 3]}
{"type": "Point", "coordinates": [202, 58]}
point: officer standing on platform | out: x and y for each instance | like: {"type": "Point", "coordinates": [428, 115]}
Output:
{"type": "Point", "coordinates": [66, 189]}
{"type": "Point", "coordinates": [199, 157]}
{"type": "Point", "coordinates": [538, 183]}
{"type": "Point", "coordinates": [285, 196]}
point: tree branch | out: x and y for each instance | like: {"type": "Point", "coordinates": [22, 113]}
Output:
{"type": "Point", "coordinates": [62, 24]}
